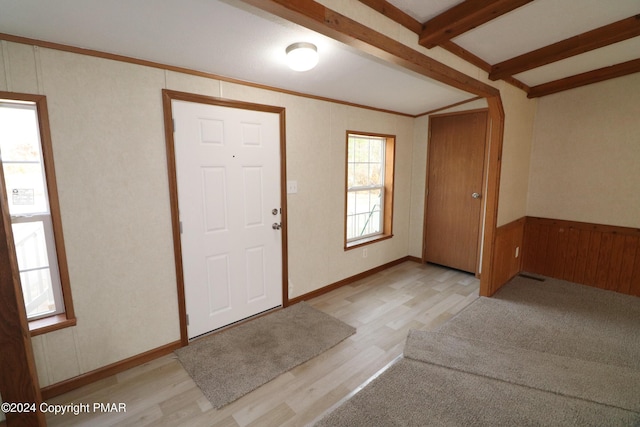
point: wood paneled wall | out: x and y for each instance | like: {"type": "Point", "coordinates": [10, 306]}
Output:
{"type": "Point", "coordinates": [603, 256]}
{"type": "Point", "coordinates": [507, 256]}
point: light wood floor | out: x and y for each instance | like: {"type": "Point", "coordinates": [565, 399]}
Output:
{"type": "Point", "coordinates": [382, 307]}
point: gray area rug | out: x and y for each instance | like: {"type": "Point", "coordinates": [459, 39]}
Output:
{"type": "Point", "coordinates": [549, 353]}
{"type": "Point", "coordinates": [230, 364]}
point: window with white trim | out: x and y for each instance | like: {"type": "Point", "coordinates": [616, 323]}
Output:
{"type": "Point", "coordinates": [369, 194]}
{"type": "Point", "coordinates": [27, 168]}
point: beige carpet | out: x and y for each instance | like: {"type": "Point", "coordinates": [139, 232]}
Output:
{"type": "Point", "coordinates": [547, 353]}
{"type": "Point", "coordinates": [556, 317]}
{"type": "Point", "coordinates": [602, 383]}
{"type": "Point", "coordinates": [229, 364]}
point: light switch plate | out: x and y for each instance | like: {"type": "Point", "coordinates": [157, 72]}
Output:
{"type": "Point", "coordinates": [292, 187]}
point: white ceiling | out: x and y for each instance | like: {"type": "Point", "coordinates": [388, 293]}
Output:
{"type": "Point", "coordinates": [613, 54]}
{"type": "Point", "coordinates": [231, 39]}
{"type": "Point", "coordinates": [538, 24]}
{"type": "Point", "coordinates": [422, 10]}
{"type": "Point", "coordinates": [227, 38]}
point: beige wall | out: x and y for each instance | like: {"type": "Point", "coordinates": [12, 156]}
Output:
{"type": "Point", "coordinates": [519, 117]}
{"type": "Point", "coordinates": [110, 157]}
{"type": "Point", "coordinates": [520, 114]}
{"type": "Point", "coordinates": [107, 130]}
{"type": "Point", "coordinates": [585, 163]}
{"type": "Point", "coordinates": [316, 138]}
{"type": "Point", "coordinates": [108, 146]}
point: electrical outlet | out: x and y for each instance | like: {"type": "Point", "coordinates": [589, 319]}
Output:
{"type": "Point", "coordinates": [364, 252]}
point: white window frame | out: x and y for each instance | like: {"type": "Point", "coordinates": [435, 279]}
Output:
{"type": "Point", "coordinates": [54, 272]}
{"type": "Point", "coordinates": [63, 315]}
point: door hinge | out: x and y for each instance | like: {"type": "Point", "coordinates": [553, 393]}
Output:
{"type": "Point", "coordinates": [187, 320]}
{"type": "Point", "coordinates": [180, 227]}
{"type": "Point", "coordinates": [173, 125]}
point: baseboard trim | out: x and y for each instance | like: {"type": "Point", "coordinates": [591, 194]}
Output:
{"type": "Point", "coordinates": [415, 259]}
{"type": "Point", "coordinates": [351, 279]}
{"type": "Point", "coordinates": [106, 371]}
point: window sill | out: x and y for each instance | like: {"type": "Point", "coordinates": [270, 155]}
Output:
{"type": "Point", "coordinates": [366, 241]}
{"type": "Point", "coordinates": [48, 324]}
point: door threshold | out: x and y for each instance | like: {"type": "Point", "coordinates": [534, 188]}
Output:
{"type": "Point", "coordinates": [236, 323]}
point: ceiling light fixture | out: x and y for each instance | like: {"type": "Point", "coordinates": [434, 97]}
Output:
{"type": "Point", "coordinates": [302, 56]}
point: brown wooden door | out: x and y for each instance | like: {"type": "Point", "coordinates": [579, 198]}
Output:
{"type": "Point", "coordinates": [455, 173]}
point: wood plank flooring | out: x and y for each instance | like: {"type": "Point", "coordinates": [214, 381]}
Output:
{"type": "Point", "coordinates": [382, 307]}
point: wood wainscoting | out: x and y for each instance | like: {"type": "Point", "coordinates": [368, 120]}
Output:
{"type": "Point", "coordinates": [602, 256]}
{"type": "Point", "coordinates": [507, 256]}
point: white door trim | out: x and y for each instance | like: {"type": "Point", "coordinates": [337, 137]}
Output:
{"type": "Point", "coordinates": [168, 96]}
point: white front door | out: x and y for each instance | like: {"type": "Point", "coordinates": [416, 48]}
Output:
{"type": "Point", "coordinates": [228, 177]}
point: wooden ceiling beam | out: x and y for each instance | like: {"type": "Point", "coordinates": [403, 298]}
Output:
{"type": "Point", "coordinates": [316, 17]}
{"type": "Point", "coordinates": [480, 63]}
{"type": "Point", "coordinates": [585, 42]}
{"type": "Point", "coordinates": [395, 14]}
{"type": "Point", "coordinates": [463, 53]}
{"type": "Point", "coordinates": [584, 79]}
{"type": "Point", "coordinates": [464, 17]}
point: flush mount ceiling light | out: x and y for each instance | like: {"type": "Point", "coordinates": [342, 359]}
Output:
{"type": "Point", "coordinates": [302, 56]}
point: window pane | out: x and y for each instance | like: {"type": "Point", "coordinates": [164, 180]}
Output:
{"type": "Point", "coordinates": [375, 154]}
{"type": "Point", "coordinates": [25, 188]}
{"type": "Point", "coordinates": [19, 133]}
{"type": "Point", "coordinates": [362, 150]}
{"type": "Point", "coordinates": [364, 213]}
{"type": "Point", "coordinates": [37, 292]}
{"type": "Point", "coordinates": [366, 165]}
{"type": "Point", "coordinates": [22, 159]}
{"type": "Point", "coordinates": [31, 245]}
{"type": "Point", "coordinates": [365, 168]}
{"type": "Point", "coordinates": [375, 174]}
{"type": "Point", "coordinates": [367, 191]}
{"type": "Point", "coordinates": [361, 177]}
{"type": "Point", "coordinates": [23, 168]}
{"type": "Point", "coordinates": [351, 175]}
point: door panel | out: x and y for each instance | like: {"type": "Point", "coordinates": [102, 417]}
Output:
{"type": "Point", "coordinates": [228, 176]}
{"type": "Point", "coordinates": [455, 173]}
{"type": "Point", "coordinates": [255, 265]}
{"type": "Point", "coordinates": [215, 206]}
{"type": "Point", "coordinates": [253, 188]}
{"type": "Point", "coordinates": [219, 285]}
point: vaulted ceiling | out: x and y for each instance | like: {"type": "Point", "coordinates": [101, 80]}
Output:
{"type": "Point", "coordinates": [541, 46]}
